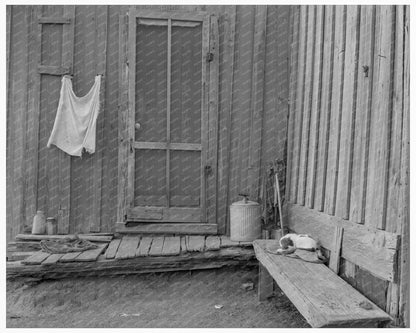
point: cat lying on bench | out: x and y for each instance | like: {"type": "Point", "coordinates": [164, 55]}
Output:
{"type": "Point", "coordinates": [292, 242]}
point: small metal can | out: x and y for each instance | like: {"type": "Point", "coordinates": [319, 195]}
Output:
{"type": "Point", "coordinates": [245, 220]}
{"type": "Point", "coordinates": [51, 226]}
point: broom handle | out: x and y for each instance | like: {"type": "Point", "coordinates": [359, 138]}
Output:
{"type": "Point", "coordinates": [279, 201]}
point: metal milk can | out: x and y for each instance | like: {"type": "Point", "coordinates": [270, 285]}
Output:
{"type": "Point", "coordinates": [39, 223]}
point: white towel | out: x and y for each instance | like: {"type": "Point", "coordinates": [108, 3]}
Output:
{"type": "Point", "coordinates": [76, 118]}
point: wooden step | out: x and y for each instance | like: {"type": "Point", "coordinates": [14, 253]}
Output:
{"type": "Point", "coordinates": [91, 255]}
{"type": "Point", "coordinates": [127, 248]}
{"type": "Point", "coordinates": [17, 256]}
{"type": "Point", "coordinates": [112, 248]}
{"type": "Point", "coordinates": [144, 264]}
{"type": "Point", "coordinates": [88, 237]}
{"type": "Point", "coordinates": [23, 246]}
{"type": "Point", "coordinates": [36, 259]}
{"type": "Point", "coordinates": [167, 228]}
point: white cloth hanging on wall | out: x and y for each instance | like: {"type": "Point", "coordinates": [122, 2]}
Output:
{"type": "Point", "coordinates": [76, 119]}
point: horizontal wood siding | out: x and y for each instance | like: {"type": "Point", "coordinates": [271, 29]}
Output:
{"type": "Point", "coordinates": [347, 141]}
{"type": "Point", "coordinates": [253, 85]}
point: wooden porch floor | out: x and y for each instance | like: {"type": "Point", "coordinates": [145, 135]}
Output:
{"type": "Point", "coordinates": [137, 254]}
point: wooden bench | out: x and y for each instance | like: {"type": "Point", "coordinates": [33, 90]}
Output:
{"type": "Point", "coordinates": [320, 295]}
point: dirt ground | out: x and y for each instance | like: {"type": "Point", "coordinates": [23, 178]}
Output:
{"type": "Point", "coordinates": [208, 298]}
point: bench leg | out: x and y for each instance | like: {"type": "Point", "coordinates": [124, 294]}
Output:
{"type": "Point", "coordinates": [265, 288]}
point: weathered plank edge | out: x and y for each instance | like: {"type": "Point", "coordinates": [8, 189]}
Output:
{"type": "Point", "coordinates": [187, 261]}
{"type": "Point", "coordinates": [354, 248]}
{"type": "Point", "coordinates": [169, 228]}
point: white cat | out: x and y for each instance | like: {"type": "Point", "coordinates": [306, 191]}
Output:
{"type": "Point", "coordinates": [290, 242]}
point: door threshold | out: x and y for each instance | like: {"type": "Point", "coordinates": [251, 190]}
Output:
{"type": "Point", "coordinates": [167, 228]}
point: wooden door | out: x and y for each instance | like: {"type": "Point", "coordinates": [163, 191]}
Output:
{"type": "Point", "coordinates": [168, 165]}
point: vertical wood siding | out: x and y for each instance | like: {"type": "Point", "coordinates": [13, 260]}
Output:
{"type": "Point", "coordinates": [346, 142]}
{"type": "Point", "coordinates": [252, 103]}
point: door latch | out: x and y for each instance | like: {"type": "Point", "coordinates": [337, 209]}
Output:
{"type": "Point", "coordinates": [131, 145]}
{"type": "Point", "coordinates": [208, 170]}
{"type": "Point", "coordinates": [210, 57]}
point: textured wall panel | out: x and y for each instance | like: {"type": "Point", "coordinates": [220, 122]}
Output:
{"type": "Point", "coordinates": [361, 124]}
{"type": "Point", "coordinates": [235, 52]}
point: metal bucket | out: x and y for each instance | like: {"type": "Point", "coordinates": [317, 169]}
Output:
{"type": "Point", "coordinates": [245, 220]}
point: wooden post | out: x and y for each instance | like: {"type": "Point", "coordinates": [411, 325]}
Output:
{"type": "Point", "coordinates": [395, 217]}
{"type": "Point", "coordinates": [404, 303]}
{"type": "Point", "coordinates": [123, 147]}
{"type": "Point", "coordinates": [212, 153]}
{"type": "Point", "coordinates": [336, 249]}
{"type": "Point", "coordinates": [204, 116]}
{"type": "Point", "coordinates": [265, 287]}
{"type": "Point", "coordinates": [31, 172]}
{"type": "Point", "coordinates": [224, 170]}
{"type": "Point", "coordinates": [257, 96]}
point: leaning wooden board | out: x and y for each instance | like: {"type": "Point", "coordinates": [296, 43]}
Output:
{"type": "Point", "coordinates": [91, 255]}
{"type": "Point", "coordinates": [321, 296]}
{"type": "Point", "coordinates": [36, 259]}
{"type": "Point", "coordinates": [88, 237]}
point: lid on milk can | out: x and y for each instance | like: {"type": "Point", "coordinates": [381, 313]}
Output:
{"type": "Point", "coordinates": [245, 201]}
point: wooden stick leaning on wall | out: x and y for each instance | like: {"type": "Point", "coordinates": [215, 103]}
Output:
{"type": "Point", "coordinates": [279, 199]}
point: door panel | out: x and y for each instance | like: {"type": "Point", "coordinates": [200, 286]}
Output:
{"type": "Point", "coordinates": [151, 83]}
{"type": "Point", "coordinates": [185, 178]}
{"type": "Point", "coordinates": [168, 129]}
{"type": "Point", "coordinates": [150, 177]}
{"type": "Point", "coordinates": [186, 84]}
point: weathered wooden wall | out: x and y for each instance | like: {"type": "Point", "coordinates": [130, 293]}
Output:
{"type": "Point", "coordinates": [253, 92]}
{"type": "Point", "coordinates": [349, 129]}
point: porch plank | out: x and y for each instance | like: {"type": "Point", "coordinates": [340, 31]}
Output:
{"type": "Point", "coordinates": [91, 255]}
{"type": "Point", "coordinates": [23, 247]}
{"type": "Point", "coordinates": [167, 228]}
{"type": "Point", "coordinates": [183, 244]}
{"type": "Point", "coordinates": [195, 243]}
{"type": "Point", "coordinates": [19, 256]}
{"type": "Point", "coordinates": [127, 248]}
{"type": "Point", "coordinates": [227, 242]}
{"type": "Point", "coordinates": [212, 243]}
{"type": "Point", "coordinates": [144, 247]}
{"type": "Point", "coordinates": [88, 237]}
{"type": "Point", "coordinates": [52, 259]}
{"type": "Point", "coordinates": [157, 246]}
{"type": "Point", "coordinates": [171, 246]}
{"type": "Point", "coordinates": [112, 248]}
{"type": "Point", "coordinates": [36, 259]}
{"type": "Point", "coordinates": [69, 257]}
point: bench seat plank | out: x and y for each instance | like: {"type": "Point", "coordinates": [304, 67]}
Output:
{"type": "Point", "coordinates": [321, 296]}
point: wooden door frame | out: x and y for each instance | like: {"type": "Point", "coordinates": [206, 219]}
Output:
{"type": "Point", "coordinates": [209, 111]}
